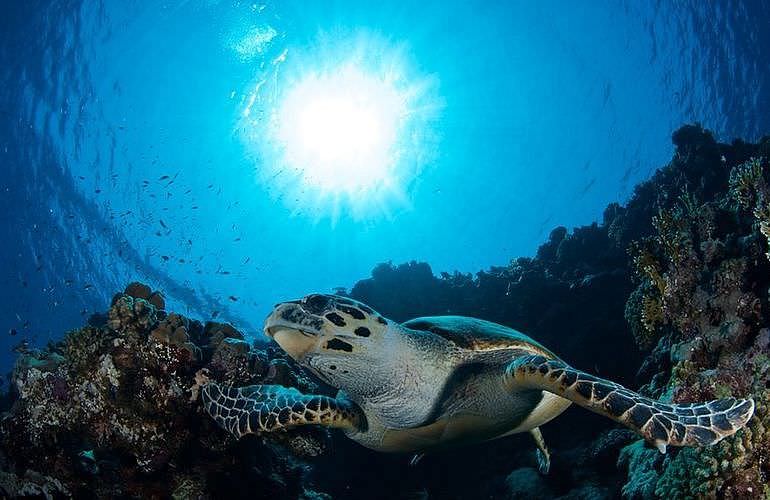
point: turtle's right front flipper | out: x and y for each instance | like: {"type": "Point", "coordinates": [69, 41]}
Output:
{"type": "Point", "coordinates": [661, 424]}
{"type": "Point", "coordinates": [267, 408]}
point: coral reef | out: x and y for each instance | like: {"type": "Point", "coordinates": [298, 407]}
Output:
{"type": "Point", "coordinates": [112, 410]}
{"type": "Point", "coordinates": [682, 271]}
{"type": "Point", "coordinates": [702, 301]}
{"type": "Point", "coordinates": [669, 294]}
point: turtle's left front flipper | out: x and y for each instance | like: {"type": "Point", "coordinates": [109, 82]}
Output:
{"type": "Point", "coordinates": [661, 424]}
{"type": "Point", "coordinates": [267, 408]}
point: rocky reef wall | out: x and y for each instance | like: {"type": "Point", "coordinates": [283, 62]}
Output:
{"type": "Point", "coordinates": [668, 295]}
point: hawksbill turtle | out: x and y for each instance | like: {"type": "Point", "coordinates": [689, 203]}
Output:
{"type": "Point", "coordinates": [436, 382]}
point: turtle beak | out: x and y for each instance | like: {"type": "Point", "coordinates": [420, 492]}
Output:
{"type": "Point", "coordinates": [295, 330]}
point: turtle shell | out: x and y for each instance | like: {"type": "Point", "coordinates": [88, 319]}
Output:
{"type": "Point", "coordinates": [476, 335]}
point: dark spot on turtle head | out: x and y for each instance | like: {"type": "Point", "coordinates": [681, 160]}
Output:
{"type": "Point", "coordinates": [339, 345]}
{"type": "Point", "coordinates": [336, 319]}
{"type": "Point", "coordinates": [381, 320]}
{"type": "Point", "coordinates": [362, 331]}
{"type": "Point", "coordinates": [292, 314]}
{"type": "Point", "coordinates": [352, 311]}
{"type": "Point", "coordinates": [332, 367]}
{"type": "Point", "coordinates": [316, 303]}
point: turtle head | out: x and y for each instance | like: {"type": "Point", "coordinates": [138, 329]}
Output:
{"type": "Point", "coordinates": [335, 337]}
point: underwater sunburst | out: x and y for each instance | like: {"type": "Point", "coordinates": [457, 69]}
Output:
{"type": "Point", "coordinates": [342, 126]}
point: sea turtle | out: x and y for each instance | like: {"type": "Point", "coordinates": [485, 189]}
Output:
{"type": "Point", "coordinates": [440, 381]}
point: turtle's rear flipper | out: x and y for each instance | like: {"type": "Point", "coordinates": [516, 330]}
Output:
{"type": "Point", "coordinates": [267, 408]}
{"type": "Point", "coordinates": [661, 424]}
{"type": "Point", "coordinates": [542, 454]}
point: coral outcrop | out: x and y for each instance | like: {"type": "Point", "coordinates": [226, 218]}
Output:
{"type": "Point", "coordinates": [112, 411]}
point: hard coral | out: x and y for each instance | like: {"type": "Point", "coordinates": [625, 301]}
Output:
{"type": "Point", "coordinates": [703, 282]}
{"type": "Point", "coordinates": [108, 411]}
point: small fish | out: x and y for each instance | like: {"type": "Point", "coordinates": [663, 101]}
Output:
{"type": "Point", "coordinates": [13, 332]}
{"type": "Point", "coordinates": [163, 178]}
{"type": "Point", "coordinates": [165, 258]}
{"type": "Point", "coordinates": [163, 224]}
{"type": "Point", "coordinates": [233, 298]}
{"type": "Point", "coordinates": [88, 286]}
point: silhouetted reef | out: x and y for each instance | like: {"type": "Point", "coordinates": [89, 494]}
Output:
{"type": "Point", "coordinates": [669, 293]}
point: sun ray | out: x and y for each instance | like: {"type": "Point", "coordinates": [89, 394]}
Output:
{"type": "Point", "coordinates": [334, 134]}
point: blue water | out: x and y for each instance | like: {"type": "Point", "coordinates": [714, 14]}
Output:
{"type": "Point", "coordinates": [132, 139]}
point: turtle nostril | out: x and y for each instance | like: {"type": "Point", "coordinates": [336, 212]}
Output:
{"type": "Point", "coordinates": [316, 303]}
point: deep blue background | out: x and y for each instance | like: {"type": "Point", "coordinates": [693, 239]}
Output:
{"type": "Point", "coordinates": [545, 112]}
